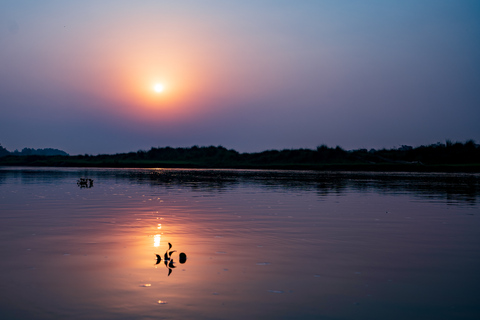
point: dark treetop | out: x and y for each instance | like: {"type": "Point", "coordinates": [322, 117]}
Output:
{"type": "Point", "coordinates": [447, 156]}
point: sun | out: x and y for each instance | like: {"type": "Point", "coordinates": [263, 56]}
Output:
{"type": "Point", "coordinates": [158, 87]}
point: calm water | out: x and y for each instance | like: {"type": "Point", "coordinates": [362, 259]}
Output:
{"type": "Point", "coordinates": [259, 245]}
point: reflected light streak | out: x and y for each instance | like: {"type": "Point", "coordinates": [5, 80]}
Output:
{"type": "Point", "coordinates": [156, 240]}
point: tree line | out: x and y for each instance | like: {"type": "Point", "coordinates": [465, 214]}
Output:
{"type": "Point", "coordinates": [439, 153]}
{"type": "Point", "coordinates": [31, 151]}
{"type": "Point", "coordinates": [448, 153]}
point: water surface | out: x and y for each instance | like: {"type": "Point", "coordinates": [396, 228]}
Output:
{"type": "Point", "coordinates": [259, 244]}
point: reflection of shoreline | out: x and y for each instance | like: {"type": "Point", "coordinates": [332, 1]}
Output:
{"type": "Point", "coordinates": [461, 187]}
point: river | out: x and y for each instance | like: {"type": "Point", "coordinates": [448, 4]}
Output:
{"type": "Point", "coordinates": [238, 244]}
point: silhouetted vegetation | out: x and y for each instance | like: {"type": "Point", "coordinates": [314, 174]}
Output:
{"type": "Point", "coordinates": [85, 183]}
{"type": "Point", "coordinates": [446, 156]}
{"type": "Point", "coordinates": [31, 151]}
{"type": "Point", "coordinates": [3, 151]}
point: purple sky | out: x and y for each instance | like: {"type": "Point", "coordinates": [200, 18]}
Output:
{"type": "Point", "coordinates": [248, 75]}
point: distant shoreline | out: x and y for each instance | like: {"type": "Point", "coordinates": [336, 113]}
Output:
{"type": "Point", "coordinates": [386, 167]}
{"type": "Point", "coordinates": [448, 157]}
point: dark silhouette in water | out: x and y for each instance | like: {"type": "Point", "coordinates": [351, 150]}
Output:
{"type": "Point", "coordinates": [167, 259]}
{"type": "Point", "coordinates": [182, 258]}
{"type": "Point", "coordinates": [85, 183]}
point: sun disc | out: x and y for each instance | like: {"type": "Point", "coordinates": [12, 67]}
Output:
{"type": "Point", "coordinates": [158, 87]}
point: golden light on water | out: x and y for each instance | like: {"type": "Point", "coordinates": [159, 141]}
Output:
{"type": "Point", "coordinates": [156, 240]}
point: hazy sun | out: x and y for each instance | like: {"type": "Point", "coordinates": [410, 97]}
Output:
{"type": "Point", "coordinates": [158, 87]}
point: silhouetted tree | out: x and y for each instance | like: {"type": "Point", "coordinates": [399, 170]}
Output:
{"type": "Point", "coordinates": [3, 151]}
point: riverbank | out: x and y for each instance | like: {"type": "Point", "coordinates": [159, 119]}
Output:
{"type": "Point", "coordinates": [449, 157]}
{"type": "Point", "coordinates": [112, 162]}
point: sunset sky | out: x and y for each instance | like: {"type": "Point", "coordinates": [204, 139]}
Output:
{"type": "Point", "coordinates": [249, 75]}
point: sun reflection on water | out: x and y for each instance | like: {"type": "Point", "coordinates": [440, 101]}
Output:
{"type": "Point", "coordinates": [156, 240]}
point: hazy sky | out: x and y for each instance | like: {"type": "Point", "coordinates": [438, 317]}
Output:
{"type": "Point", "coordinates": [249, 75]}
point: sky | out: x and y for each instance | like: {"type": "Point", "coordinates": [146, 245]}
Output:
{"type": "Point", "coordinates": [249, 75]}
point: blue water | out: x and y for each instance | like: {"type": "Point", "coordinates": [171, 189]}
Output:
{"type": "Point", "coordinates": [259, 244]}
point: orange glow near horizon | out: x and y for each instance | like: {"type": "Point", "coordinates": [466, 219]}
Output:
{"type": "Point", "coordinates": [148, 97]}
{"type": "Point", "coordinates": [192, 81]}
{"type": "Point", "coordinates": [159, 91]}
